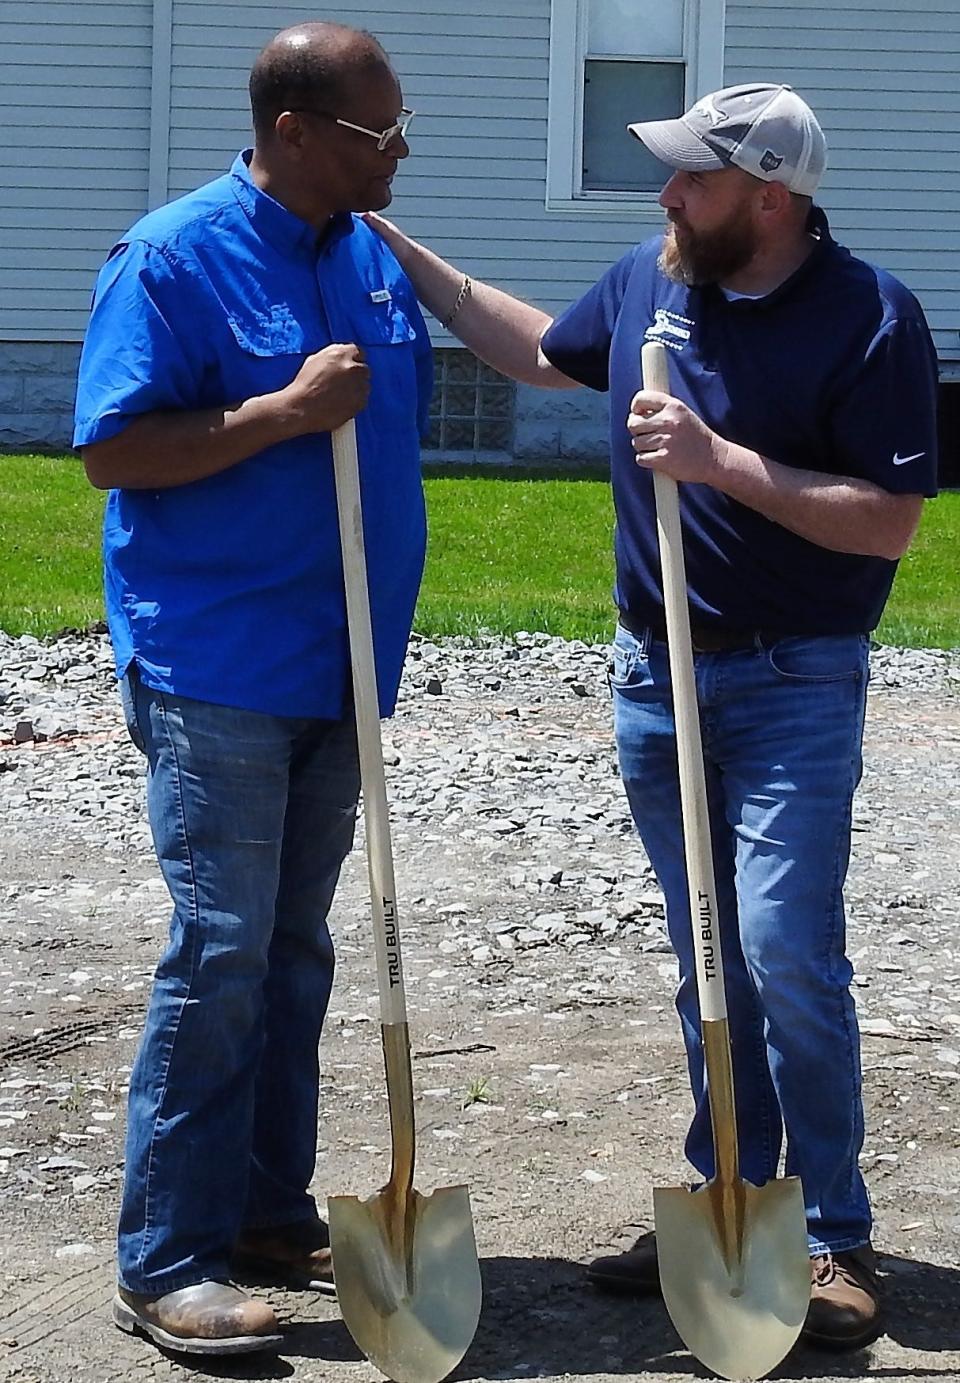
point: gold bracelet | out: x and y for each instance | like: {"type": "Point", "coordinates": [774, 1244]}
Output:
{"type": "Point", "coordinates": [462, 297]}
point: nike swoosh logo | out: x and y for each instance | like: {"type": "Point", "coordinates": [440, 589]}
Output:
{"type": "Point", "coordinates": [902, 460]}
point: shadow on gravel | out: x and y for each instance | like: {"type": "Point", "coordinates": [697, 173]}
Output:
{"type": "Point", "coordinates": [923, 1303]}
{"type": "Point", "coordinates": [539, 1318]}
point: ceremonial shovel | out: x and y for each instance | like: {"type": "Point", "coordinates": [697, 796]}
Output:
{"type": "Point", "coordinates": [405, 1264]}
{"type": "Point", "coordinates": [734, 1264]}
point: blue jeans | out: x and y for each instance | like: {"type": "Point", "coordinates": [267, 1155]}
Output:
{"type": "Point", "coordinates": [252, 816]}
{"type": "Point", "coordinates": [782, 728]}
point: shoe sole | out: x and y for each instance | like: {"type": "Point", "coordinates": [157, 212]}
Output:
{"type": "Point", "coordinates": [127, 1319]}
{"type": "Point", "coordinates": [834, 1345]}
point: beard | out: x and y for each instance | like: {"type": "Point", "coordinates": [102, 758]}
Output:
{"type": "Point", "coordinates": [695, 258]}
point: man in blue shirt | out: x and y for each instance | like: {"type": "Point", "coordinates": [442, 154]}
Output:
{"type": "Point", "coordinates": [803, 429]}
{"type": "Point", "coordinates": [231, 332]}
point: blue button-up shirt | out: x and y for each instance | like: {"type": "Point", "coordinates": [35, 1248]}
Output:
{"type": "Point", "coordinates": [230, 589]}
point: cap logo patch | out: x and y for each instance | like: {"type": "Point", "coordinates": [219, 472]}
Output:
{"type": "Point", "coordinates": [708, 111]}
{"type": "Point", "coordinates": [771, 161]}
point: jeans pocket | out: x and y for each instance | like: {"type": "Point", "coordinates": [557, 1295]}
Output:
{"type": "Point", "coordinates": [628, 670]}
{"type": "Point", "coordinates": [128, 701]}
{"type": "Point", "coordinates": [821, 658]}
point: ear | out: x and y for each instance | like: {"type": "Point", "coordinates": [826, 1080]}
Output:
{"type": "Point", "coordinates": [775, 199]}
{"type": "Point", "coordinates": [290, 130]}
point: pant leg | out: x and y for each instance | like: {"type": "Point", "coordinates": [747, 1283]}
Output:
{"type": "Point", "coordinates": [317, 836]}
{"type": "Point", "coordinates": [217, 797]}
{"type": "Point", "coordinates": [646, 741]}
{"type": "Point", "coordinates": [788, 737]}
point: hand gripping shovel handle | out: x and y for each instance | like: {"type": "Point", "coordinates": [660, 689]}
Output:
{"type": "Point", "coordinates": [383, 896]}
{"type": "Point", "coordinates": [693, 800]}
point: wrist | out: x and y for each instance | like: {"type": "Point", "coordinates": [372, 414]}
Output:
{"type": "Point", "coordinates": [279, 413]}
{"type": "Point", "coordinates": [463, 294]}
{"type": "Point", "coordinates": [738, 469]}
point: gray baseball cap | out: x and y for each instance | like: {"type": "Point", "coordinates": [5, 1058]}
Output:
{"type": "Point", "coordinates": [766, 130]}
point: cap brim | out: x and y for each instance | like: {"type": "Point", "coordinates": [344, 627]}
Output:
{"type": "Point", "coordinates": [675, 144]}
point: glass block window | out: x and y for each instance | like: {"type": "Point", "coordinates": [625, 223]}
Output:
{"type": "Point", "coordinates": [472, 407]}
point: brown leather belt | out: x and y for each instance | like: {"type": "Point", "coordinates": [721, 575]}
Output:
{"type": "Point", "coordinates": [704, 640]}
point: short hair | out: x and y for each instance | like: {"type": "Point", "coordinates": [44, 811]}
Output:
{"type": "Point", "coordinates": [313, 73]}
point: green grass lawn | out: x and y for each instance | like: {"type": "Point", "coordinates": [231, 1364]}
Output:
{"type": "Point", "coordinates": [49, 545]}
{"type": "Point", "coordinates": [924, 608]}
{"type": "Point", "coordinates": [506, 553]}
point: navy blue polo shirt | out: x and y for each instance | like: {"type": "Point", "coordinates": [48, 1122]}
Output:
{"type": "Point", "coordinates": [834, 371]}
{"type": "Point", "coordinates": [230, 589]}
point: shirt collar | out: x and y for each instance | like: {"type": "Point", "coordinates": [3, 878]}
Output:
{"type": "Point", "coordinates": [819, 231]}
{"type": "Point", "coordinates": [274, 223]}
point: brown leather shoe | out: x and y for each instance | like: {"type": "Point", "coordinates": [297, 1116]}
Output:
{"type": "Point", "coordinates": [207, 1318]}
{"type": "Point", "coordinates": [844, 1308]}
{"type": "Point", "coordinates": [634, 1274]}
{"type": "Point", "coordinates": [297, 1255]}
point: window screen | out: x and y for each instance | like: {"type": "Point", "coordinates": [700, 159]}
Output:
{"type": "Point", "coordinates": [615, 94]}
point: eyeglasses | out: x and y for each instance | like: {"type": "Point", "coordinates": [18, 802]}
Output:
{"type": "Point", "coordinates": [383, 137]}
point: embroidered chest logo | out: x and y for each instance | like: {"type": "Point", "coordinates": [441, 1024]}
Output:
{"type": "Point", "coordinates": [670, 328]}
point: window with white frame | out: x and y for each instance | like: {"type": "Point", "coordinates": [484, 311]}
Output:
{"type": "Point", "coordinates": [613, 62]}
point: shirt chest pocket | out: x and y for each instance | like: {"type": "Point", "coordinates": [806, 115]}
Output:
{"type": "Point", "coordinates": [386, 336]}
{"type": "Point", "coordinates": [270, 350]}
{"type": "Point", "coordinates": [382, 323]}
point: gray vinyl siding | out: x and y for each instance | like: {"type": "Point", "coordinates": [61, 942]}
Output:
{"type": "Point", "coordinates": [884, 77]}
{"type": "Point", "coordinates": [475, 186]}
{"type": "Point", "coordinates": [74, 117]}
{"type": "Point", "coordinates": [75, 102]}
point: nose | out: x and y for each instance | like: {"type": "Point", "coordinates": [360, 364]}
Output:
{"type": "Point", "coordinates": [672, 194]}
{"type": "Point", "coordinates": [397, 148]}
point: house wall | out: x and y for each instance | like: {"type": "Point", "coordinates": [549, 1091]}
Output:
{"type": "Point", "coordinates": [74, 110]}
{"type": "Point", "coordinates": [884, 77]}
{"type": "Point", "coordinates": [110, 107]}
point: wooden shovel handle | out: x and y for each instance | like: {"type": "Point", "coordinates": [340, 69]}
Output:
{"type": "Point", "coordinates": [708, 959]}
{"type": "Point", "coordinates": [383, 893]}
{"type": "Point", "coordinates": [693, 788]}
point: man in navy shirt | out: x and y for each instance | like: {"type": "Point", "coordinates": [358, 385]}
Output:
{"type": "Point", "coordinates": [231, 332]}
{"type": "Point", "coordinates": [802, 427]}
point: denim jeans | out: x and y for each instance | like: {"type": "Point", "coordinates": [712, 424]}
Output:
{"type": "Point", "coordinates": [782, 727]}
{"type": "Point", "coordinates": [252, 816]}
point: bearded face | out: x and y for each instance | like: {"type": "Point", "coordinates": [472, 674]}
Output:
{"type": "Point", "coordinates": [708, 256]}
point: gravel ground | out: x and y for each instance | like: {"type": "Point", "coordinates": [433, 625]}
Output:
{"type": "Point", "coordinates": [547, 1059]}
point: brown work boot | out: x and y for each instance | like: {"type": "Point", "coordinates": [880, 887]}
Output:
{"type": "Point", "coordinates": [206, 1318]}
{"type": "Point", "coordinates": [297, 1255]}
{"type": "Point", "coordinates": [635, 1273]}
{"type": "Point", "coordinates": [844, 1310]}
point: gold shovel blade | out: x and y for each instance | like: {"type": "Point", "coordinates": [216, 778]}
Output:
{"type": "Point", "coordinates": [411, 1306]}
{"type": "Point", "coordinates": [739, 1317]}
